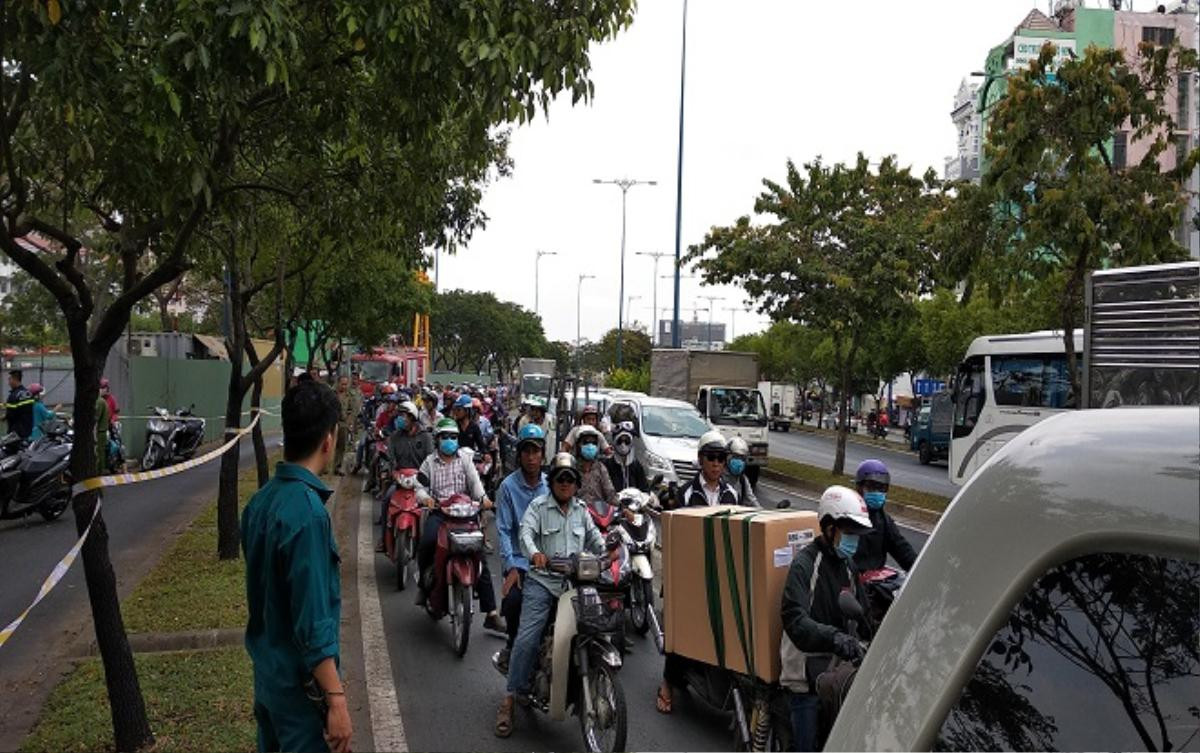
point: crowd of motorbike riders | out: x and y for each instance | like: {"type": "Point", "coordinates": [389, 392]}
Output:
{"type": "Point", "coordinates": [462, 441]}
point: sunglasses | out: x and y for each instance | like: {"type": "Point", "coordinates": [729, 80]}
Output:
{"type": "Point", "coordinates": [714, 457]}
{"type": "Point", "coordinates": [563, 478]}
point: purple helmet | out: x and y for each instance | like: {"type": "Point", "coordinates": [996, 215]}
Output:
{"type": "Point", "coordinates": [872, 470]}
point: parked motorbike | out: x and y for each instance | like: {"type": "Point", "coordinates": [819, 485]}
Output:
{"type": "Point", "coordinates": [38, 478]}
{"type": "Point", "coordinates": [116, 448]}
{"type": "Point", "coordinates": [457, 566]}
{"type": "Point", "coordinates": [577, 663]}
{"type": "Point", "coordinates": [171, 437]}
{"type": "Point", "coordinates": [10, 444]}
{"type": "Point", "coordinates": [637, 529]}
{"type": "Point", "coordinates": [403, 531]}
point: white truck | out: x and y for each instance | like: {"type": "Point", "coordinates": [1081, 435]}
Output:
{"type": "Point", "coordinates": [783, 400]}
{"type": "Point", "coordinates": [723, 385]}
{"type": "Point", "coordinates": [536, 376]}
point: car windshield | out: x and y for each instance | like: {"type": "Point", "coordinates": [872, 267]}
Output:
{"type": "Point", "coordinates": [672, 422]}
{"type": "Point", "coordinates": [736, 407]}
{"type": "Point", "coordinates": [374, 371]}
{"type": "Point", "coordinates": [536, 385]}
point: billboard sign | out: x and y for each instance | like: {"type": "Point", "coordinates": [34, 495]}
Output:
{"type": "Point", "coordinates": [1027, 49]}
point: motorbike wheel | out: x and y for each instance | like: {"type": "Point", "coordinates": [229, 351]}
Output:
{"type": "Point", "coordinates": [151, 458]}
{"type": "Point", "coordinates": [604, 731]}
{"type": "Point", "coordinates": [641, 596]}
{"type": "Point", "coordinates": [54, 507]}
{"type": "Point", "coordinates": [401, 544]}
{"type": "Point", "coordinates": [460, 617]}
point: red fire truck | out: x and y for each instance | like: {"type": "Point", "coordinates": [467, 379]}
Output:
{"type": "Point", "coordinates": [402, 366]}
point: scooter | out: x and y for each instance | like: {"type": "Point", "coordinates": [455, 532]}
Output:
{"type": "Point", "coordinates": [577, 662]}
{"type": "Point", "coordinates": [402, 533]}
{"type": "Point", "coordinates": [603, 514]}
{"type": "Point", "coordinates": [116, 448]}
{"type": "Point", "coordinates": [637, 529]}
{"type": "Point", "coordinates": [457, 566]}
{"type": "Point", "coordinates": [38, 478]}
{"type": "Point", "coordinates": [171, 437]}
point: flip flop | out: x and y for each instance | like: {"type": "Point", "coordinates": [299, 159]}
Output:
{"type": "Point", "coordinates": [504, 718]}
{"type": "Point", "coordinates": [662, 702]}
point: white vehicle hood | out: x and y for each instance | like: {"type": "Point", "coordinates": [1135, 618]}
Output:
{"type": "Point", "coordinates": [682, 449]}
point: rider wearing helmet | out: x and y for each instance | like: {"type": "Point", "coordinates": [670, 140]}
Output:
{"type": "Point", "coordinates": [449, 471]}
{"type": "Point", "coordinates": [624, 468]}
{"type": "Point", "coordinates": [470, 435]}
{"type": "Point", "coordinates": [535, 413]}
{"type": "Point", "coordinates": [735, 472]}
{"type": "Point", "coordinates": [596, 483]}
{"type": "Point", "coordinates": [815, 629]}
{"type": "Point", "coordinates": [114, 412]}
{"type": "Point", "coordinates": [408, 446]}
{"type": "Point", "coordinates": [517, 490]}
{"type": "Point", "coordinates": [556, 524]}
{"type": "Point", "coordinates": [709, 486]}
{"type": "Point", "coordinates": [430, 414]}
{"type": "Point", "coordinates": [872, 480]}
{"type": "Point", "coordinates": [41, 414]}
{"type": "Point", "coordinates": [590, 416]}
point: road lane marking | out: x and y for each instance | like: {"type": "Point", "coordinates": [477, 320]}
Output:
{"type": "Point", "coordinates": [387, 728]}
{"type": "Point", "coordinates": [794, 493]}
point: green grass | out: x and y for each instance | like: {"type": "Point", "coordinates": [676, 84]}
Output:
{"type": "Point", "coordinates": [196, 701]}
{"type": "Point", "coordinates": [823, 478]}
{"type": "Point", "coordinates": [861, 437]}
{"type": "Point", "coordinates": [190, 589]}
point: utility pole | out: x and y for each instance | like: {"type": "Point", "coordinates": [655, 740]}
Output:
{"type": "Point", "coordinates": [679, 178]}
{"type": "Point", "coordinates": [624, 184]}
{"type": "Point", "coordinates": [711, 300]}
{"type": "Point", "coordinates": [733, 320]}
{"type": "Point", "coordinates": [536, 280]}
{"type": "Point", "coordinates": [677, 320]}
{"type": "Point", "coordinates": [578, 298]}
{"type": "Point", "coordinates": [656, 255]}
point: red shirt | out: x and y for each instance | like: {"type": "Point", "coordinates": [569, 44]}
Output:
{"type": "Point", "coordinates": [113, 411]}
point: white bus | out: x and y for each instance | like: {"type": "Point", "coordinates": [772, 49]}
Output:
{"type": "Point", "coordinates": [1005, 384]}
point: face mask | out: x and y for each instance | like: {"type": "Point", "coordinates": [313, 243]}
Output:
{"type": "Point", "coordinates": [736, 466]}
{"type": "Point", "coordinates": [847, 545]}
{"type": "Point", "coordinates": [875, 500]}
{"type": "Point", "coordinates": [622, 448]}
{"type": "Point", "coordinates": [400, 423]}
{"type": "Point", "coordinates": [588, 451]}
{"type": "Point", "coordinates": [448, 446]}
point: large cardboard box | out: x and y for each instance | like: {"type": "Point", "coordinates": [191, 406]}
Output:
{"type": "Point", "coordinates": [701, 579]}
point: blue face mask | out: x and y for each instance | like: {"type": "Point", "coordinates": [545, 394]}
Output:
{"type": "Point", "coordinates": [875, 500]}
{"type": "Point", "coordinates": [589, 451]}
{"type": "Point", "coordinates": [400, 423]}
{"type": "Point", "coordinates": [736, 466]}
{"type": "Point", "coordinates": [448, 446]}
{"type": "Point", "coordinates": [847, 545]}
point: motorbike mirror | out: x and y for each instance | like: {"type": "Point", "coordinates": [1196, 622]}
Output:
{"type": "Point", "coordinates": [850, 606]}
{"type": "Point", "coordinates": [422, 479]}
{"type": "Point", "coordinates": [656, 480]}
{"type": "Point", "coordinates": [783, 504]}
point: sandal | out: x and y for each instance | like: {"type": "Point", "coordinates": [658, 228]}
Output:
{"type": "Point", "coordinates": [504, 718]}
{"type": "Point", "coordinates": [663, 701]}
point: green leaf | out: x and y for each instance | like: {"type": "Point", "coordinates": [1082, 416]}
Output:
{"type": "Point", "coordinates": [176, 106]}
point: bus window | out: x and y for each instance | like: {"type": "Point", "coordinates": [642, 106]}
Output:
{"type": "Point", "coordinates": [1032, 381]}
{"type": "Point", "coordinates": [969, 395]}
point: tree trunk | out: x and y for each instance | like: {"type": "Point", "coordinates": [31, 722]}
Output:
{"type": "Point", "coordinates": [839, 458]}
{"type": "Point", "coordinates": [131, 727]}
{"type": "Point", "coordinates": [164, 316]}
{"type": "Point", "coordinates": [228, 533]}
{"type": "Point", "coordinates": [260, 446]}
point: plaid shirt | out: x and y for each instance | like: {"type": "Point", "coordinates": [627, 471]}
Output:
{"type": "Point", "coordinates": [454, 476]}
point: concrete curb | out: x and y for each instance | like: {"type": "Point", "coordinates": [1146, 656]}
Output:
{"type": "Point", "coordinates": [191, 640]}
{"type": "Point", "coordinates": [929, 517]}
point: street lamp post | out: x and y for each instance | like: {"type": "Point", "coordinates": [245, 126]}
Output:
{"type": "Point", "coordinates": [656, 255]}
{"type": "Point", "coordinates": [711, 300]}
{"type": "Point", "coordinates": [677, 320]}
{"type": "Point", "coordinates": [624, 184]}
{"type": "Point", "coordinates": [578, 331]}
{"type": "Point", "coordinates": [733, 320]}
{"type": "Point", "coordinates": [536, 287]}
{"type": "Point", "coordinates": [679, 178]}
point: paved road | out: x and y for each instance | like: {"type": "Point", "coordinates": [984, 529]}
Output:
{"type": "Point", "coordinates": [139, 518]}
{"type": "Point", "coordinates": [448, 703]}
{"type": "Point", "coordinates": [818, 450]}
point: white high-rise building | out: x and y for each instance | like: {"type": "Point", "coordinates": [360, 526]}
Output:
{"type": "Point", "coordinates": [964, 165]}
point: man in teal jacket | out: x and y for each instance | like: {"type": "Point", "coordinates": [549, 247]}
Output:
{"type": "Point", "coordinates": [293, 588]}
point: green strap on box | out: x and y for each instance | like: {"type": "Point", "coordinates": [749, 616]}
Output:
{"type": "Point", "coordinates": [744, 626]}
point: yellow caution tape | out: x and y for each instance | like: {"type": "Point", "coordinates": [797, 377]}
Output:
{"type": "Point", "coordinates": [120, 479]}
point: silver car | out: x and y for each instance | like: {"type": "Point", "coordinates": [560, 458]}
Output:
{"type": "Point", "coordinates": [1057, 604]}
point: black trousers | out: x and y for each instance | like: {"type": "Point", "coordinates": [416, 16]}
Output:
{"type": "Point", "coordinates": [510, 608]}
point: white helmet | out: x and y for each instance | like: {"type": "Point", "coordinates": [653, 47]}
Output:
{"type": "Point", "coordinates": [843, 504]}
{"type": "Point", "coordinates": [712, 441]}
{"type": "Point", "coordinates": [409, 407]}
{"type": "Point", "coordinates": [738, 446]}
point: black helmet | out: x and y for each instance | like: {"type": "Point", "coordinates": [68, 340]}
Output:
{"type": "Point", "coordinates": [563, 462]}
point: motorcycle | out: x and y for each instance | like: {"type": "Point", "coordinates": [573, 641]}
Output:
{"type": "Point", "coordinates": [603, 514]}
{"type": "Point", "coordinates": [171, 437]}
{"type": "Point", "coordinates": [578, 658]}
{"type": "Point", "coordinates": [116, 448]}
{"type": "Point", "coordinates": [833, 685]}
{"type": "Point", "coordinates": [637, 529]}
{"type": "Point", "coordinates": [457, 566]}
{"type": "Point", "coordinates": [378, 464]}
{"type": "Point", "coordinates": [402, 533]}
{"type": "Point", "coordinates": [38, 478]}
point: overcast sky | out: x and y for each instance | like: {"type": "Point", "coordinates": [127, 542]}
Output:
{"type": "Point", "coordinates": [767, 80]}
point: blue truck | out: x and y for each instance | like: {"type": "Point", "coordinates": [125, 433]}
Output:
{"type": "Point", "coordinates": [931, 431]}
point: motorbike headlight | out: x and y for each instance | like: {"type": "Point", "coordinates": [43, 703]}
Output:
{"type": "Point", "coordinates": [158, 426]}
{"type": "Point", "coordinates": [460, 510]}
{"type": "Point", "coordinates": [588, 570]}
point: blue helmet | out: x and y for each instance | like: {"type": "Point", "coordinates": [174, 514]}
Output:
{"type": "Point", "coordinates": [531, 433]}
{"type": "Point", "coordinates": [463, 401]}
{"type": "Point", "coordinates": [872, 470]}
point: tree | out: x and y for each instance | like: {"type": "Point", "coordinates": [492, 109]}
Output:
{"type": "Point", "coordinates": [29, 315]}
{"type": "Point", "coordinates": [844, 253]}
{"type": "Point", "coordinates": [1074, 207]}
{"type": "Point", "coordinates": [601, 356]}
{"type": "Point", "coordinates": [144, 132]}
{"type": "Point", "coordinates": [477, 332]}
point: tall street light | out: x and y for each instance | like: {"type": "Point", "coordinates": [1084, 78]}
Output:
{"type": "Point", "coordinates": [656, 255]}
{"type": "Point", "coordinates": [578, 298]}
{"type": "Point", "coordinates": [733, 310]}
{"type": "Point", "coordinates": [711, 300]}
{"type": "Point", "coordinates": [624, 184]}
{"type": "Point", "coordinates": [679, 179]}
{"type": "Point", "coordinates": [536, 288]}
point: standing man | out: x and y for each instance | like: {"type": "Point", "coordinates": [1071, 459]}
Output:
{"type": "Point", "coordinates": [556, 524]}
{"type": "Point", "coordinates": [347, 411]}
{"type": "Point", "coordinates": [18, 412]}
{"type": "Point", "coordinates": [518, 489]}
{"type": "Point", "coordinates": [292, 586]}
